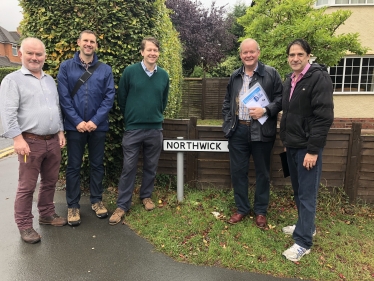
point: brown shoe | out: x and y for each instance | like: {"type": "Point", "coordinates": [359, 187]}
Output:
{"type": "Point", "coordinates": [116, 216]}
{"type": "Point", "coordinates": [261, 221]}
{"type": "Point", "coordinates": [100, 210]}
{"type": "Point", "coordinates": [54, 220]}
{"type": "Point", "coordinates": [29, 235]}
{"type": "Point", "coordinates": [148, 204]}
{"type": "Point", "coordinates": [235, 218]}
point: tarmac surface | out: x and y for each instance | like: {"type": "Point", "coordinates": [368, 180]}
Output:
{"type": "Point", "coordinates": [92, 251]}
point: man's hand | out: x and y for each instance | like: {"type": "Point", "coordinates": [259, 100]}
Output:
{"type": "Point", "coordinates": [90, 126]}
{"type": "Point", "coordinates": [310, 161]}
{"type": "Point", "coordinates": [81, 127]}
{"type": "Point", "coordinates": [21, 146]}
{"type": "Point", "coordinates": [256, 112]}
{"type": "Point", "coordinates": [62, 139]}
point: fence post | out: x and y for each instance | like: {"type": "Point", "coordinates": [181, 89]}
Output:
{"type": "Point", "coordinates": [353, 163]}
{"type": "Point", "coordinates": [191, 165]}
{"type": "Point", "coordinates": [203, 101]}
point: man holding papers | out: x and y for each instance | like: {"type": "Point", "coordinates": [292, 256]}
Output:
{"type": "Point", "coordinates": [250, 108]}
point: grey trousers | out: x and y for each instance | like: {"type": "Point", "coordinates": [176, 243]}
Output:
{"type": "Point", "coordinates": [151, 143]}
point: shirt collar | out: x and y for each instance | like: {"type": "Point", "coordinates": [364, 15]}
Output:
{"type": "Point", "coordinates": [243, 71]}
{"type": "Point", "coordinates": [145, 68]}
{"type": "Point", "coordinates": [84, 64]}
{"type": "Point", "coordinates": [302, 73]}
{"type": "Point", "coordinates": [25, 71]}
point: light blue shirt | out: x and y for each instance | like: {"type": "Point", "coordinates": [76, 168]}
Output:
{"type": "Point", "coordinates": [149, 73]}
{"type": "Point", "coordinates": [29, 104]}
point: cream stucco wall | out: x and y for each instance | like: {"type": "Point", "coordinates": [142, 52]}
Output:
{"type": "Point", "coordinates": [361, 21]}
{"type": "Point", "coordinates": [354, 106]}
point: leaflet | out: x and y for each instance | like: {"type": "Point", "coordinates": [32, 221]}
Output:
{"type": "Point", "coordinates": [256, 97]}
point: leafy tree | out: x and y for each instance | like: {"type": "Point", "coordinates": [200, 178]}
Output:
{"type": "Point", "coordinates": [232, 60]}
{"type": "Point", "coordinates": [204, 33]}
{"type": "Point", "coordinates": [275, 23]}
{"type": "Point", "coordinates": [120, 26]}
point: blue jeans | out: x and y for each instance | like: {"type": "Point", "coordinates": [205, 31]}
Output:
{"type": "Point", "coordinates": [305, 184]}
{"type": "Point", "coordinates": [240, 149]}
{"type": "Point", "coordinates": [132, 141]}
{"type": "Point", "coordinates": [76, 143]}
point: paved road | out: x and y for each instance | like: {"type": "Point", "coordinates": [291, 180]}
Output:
{"type": "Point", "coordinates": [4, 143]}
{"type": "Point", "coordinates": [93, 251]}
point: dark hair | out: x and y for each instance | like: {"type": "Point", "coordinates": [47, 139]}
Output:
{"type": "Point", "coordinates": [87, 31]}
{"type": "Point", "coordinates": [149, 39]}
{"type": "Point", "coordinates": [302, 43]}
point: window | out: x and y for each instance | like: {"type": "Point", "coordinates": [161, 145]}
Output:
{"type": "Point", "coordinates": [14, 50]}
{"type": "Point", "coordinates": [353, 74]}
{"type": "Point", "coordinates": [322, 2]}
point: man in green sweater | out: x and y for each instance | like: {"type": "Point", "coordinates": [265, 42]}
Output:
{"type": "Point", "coordinates": [142, 97]}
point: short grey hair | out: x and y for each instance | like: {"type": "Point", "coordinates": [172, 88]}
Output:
{"type": "Point", "coordinates": [251, 40]}
{"type": "Point", "coordinates": [28, 40]}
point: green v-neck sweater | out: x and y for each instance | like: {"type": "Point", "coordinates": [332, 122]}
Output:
{"type": "Point", "coordinates": [143, 99]}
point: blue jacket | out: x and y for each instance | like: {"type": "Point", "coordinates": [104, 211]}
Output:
{"type": "Point", "coordinates": [93, 100]}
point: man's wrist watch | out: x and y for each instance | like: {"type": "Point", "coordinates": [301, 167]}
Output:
{"type": "Point", "coordinates": [264, 109]}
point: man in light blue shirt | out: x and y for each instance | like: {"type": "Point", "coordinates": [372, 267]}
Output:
{"type": "Point", "coordinates": [31, 116]}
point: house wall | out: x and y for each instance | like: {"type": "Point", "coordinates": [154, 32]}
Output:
{"type": "Point", "coordinates": [6, 50]}
{"type": "Point", "coordinates": [360, 21]}
{"type": "Point", "coordinates": [354, 106]}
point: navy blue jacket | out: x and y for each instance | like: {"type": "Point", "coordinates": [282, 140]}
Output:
{"type": "Point", "coordinates": [93, 100]}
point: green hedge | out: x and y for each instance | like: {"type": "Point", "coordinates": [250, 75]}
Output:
{"type": "Point", "coordinates": [120, 26]}
{"type": "Point", "coordinates": [4, 71]}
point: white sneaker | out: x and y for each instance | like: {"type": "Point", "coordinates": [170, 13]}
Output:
{"type": "Point", "coordinates": [295, 252]}
{"type": "Point", "coordinates": [288, 230]}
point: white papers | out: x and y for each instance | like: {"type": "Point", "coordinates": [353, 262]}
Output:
{"type": "Point", "coordinates": [256, 97]}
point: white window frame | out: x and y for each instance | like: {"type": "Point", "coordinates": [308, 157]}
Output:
{"type": "Point", "coordinates": [14, 50]}
{"type": "Point", "coordinates": [348, 74]}
{"type": "Point", "coordinates": [350, 3]}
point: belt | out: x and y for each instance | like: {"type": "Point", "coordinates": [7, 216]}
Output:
{"type": "Point", "coordinates": [245, 122]}
{"type": "Point", "coordinates": [37, 137]}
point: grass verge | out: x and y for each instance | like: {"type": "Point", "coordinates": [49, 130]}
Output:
{"type": "Point", "coordinates": [190, 232]}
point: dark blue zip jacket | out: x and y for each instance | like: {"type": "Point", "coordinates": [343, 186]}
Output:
{"type": "Point", "coordinates": [93, 100]}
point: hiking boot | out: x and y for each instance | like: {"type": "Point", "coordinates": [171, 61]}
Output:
{"type": "Point", "coordinates": [54, 220]}
{"type": "Point", "coordinates": [288, 230]}
{"type": "Point", "coordinates": [116, 216]}
{"type": "Point", "coordinates": [295, 252]}
{"type": "Point", "coordinates": [148, 204]}
{"type": "Point", "coordinates": [100, 210]}
{"type": "Point", "coordinates": [29, 235]}
{"type": "Point", "coordinates": [73, 216]}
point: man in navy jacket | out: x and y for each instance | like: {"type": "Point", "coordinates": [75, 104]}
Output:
{"type": "Point", "coordinates": [86, 122]}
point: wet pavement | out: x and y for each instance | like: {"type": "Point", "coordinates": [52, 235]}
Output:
{"type": "Point", "coordinates": [92, 251]}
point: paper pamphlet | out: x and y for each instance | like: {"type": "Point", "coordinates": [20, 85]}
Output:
{"type": "Point", "coordinates": [256, 97]}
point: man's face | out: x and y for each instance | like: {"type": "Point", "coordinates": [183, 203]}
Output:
{"type": "Point", "coordinates": [249, 54]}
{"type": "Point", "coordinates": [87, 44]}
{"type": "Point", "coordinates": [150, 53]}
{"type": "Point", "coordinates": [297, 58]}
{"type": "Point", "coordinates": [33, 56]}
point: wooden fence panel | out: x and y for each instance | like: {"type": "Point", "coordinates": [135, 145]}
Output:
{"type": "Point", "coordinates": [365, 190]}
{"type": "Point", "coordinates": [212, 169]}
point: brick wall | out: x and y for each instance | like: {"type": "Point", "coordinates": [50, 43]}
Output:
{"type": "Point", "coordinates": [340, 123]}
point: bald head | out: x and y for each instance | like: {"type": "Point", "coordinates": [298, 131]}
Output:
{"type": "Point", "coordinates": [248, 41]}
{"type": "Point", "coordinates": [32, 41]}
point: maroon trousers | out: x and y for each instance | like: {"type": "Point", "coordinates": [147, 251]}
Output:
{"type": "Point", "coordinates": [44, 159]}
